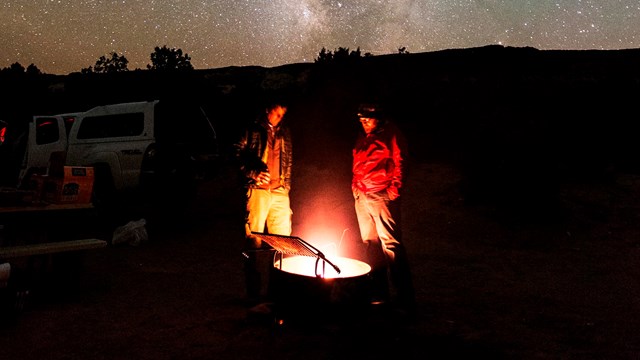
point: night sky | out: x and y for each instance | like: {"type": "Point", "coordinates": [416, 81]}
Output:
{"type": "Point", "coordinates": [63, 36]}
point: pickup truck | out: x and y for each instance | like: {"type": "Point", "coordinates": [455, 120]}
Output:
{"type": "Point", "coordinates": [148, 144]}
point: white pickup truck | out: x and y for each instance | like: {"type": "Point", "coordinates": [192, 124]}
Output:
{"type": "Point", "coordinates": [129, 145]}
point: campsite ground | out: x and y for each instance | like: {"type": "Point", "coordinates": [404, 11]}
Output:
{"type": "Point", "coordinates": [490, 282]}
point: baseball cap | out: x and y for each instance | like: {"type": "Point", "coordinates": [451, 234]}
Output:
{"type": "Point", "coordinates": [369, 111]}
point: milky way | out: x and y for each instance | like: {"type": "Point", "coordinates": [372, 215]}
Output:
{"type": "Point", "coordinates": [63, 36]}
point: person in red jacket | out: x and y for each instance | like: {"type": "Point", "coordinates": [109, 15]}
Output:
{"type": "Point", "coordinates": [377, 182]}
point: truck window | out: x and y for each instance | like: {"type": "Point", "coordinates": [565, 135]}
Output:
{"type": "Point", "coordinates": [106, 126]}
{"type": "Point", "coordinates": [68, 122]}
{"type": "Point", "coordinates": [47, 131]}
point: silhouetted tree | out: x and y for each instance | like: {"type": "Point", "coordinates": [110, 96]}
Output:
{"type": "Point", "coordinates": [324, 56]}
{"type": "Point", "coordinates": [17, 68]}
{"type": "Point", "coordinates": [111, 64]}
{"type": "Point", "coordinates": [403, 50]}
{"type": "Point", "coordinates": [14, 68]}
{"type": "Point", "coordinates": [33, 70]}
{"type": "Point", "coordinates": [167, 59]}
{"type": "Point", "coordinates": [355, 54]}
{"type": "Point", "coordinates": [341, 54]}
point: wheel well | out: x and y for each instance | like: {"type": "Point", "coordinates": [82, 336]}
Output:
{"type": "Point", "coordinates": [103, 186]}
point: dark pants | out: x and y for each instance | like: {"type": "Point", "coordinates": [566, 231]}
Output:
{"type": "Point", "coordinates": [258, 266]}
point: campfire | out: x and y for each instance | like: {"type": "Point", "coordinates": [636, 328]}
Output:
{"type": "Point", "coordinates": [304, 277]}
{"type": "Point", "coordinates": [304, 259]}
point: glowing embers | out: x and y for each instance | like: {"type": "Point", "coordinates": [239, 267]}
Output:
{"type": "Point", "coordinates": [314, 267]}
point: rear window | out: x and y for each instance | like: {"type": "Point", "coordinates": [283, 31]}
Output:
{"type": "Point", "coordinates": [107, 126]}
{"type": "Point", "coordinates": [47, 131]}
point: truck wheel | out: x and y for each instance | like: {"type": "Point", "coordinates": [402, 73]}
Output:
{"type": "Point", "coordinates": [103, 188]}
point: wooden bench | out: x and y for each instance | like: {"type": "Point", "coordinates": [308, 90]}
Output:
{"type": "Point", "coordinates": [43, 207]}
{"type": "Point", "coordinates": [17, 251]}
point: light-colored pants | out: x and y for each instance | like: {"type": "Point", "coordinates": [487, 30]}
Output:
{"type": "Point", "coordinates": [268, 210]}
{"type": "Point", "coordinates": [379, 221]}
{"type": "Point", "coordinates": [378, 218]}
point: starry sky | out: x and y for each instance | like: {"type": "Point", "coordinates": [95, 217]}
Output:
{"type": "Point", "coordinates": [63, 36]}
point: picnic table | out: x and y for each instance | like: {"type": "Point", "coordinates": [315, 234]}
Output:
{"type": "Point", "coordinates": [39, 229]}
{"type": "Point", "coordinates": [22, 225]}
{"type": "Point", "coordinates": [37, 240]}
{"type": "Point", "coordinates": [39, 207]}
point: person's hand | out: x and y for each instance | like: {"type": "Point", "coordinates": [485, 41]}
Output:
{"type": "Point", "coordinates": [393, 193]}
{"type": "Point", "coordinates": [262, 178]}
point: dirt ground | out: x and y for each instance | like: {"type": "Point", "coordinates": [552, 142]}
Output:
{"type": "Point", "coordinates": [489, 283]}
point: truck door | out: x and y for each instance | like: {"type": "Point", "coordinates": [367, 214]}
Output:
{"type": "Point", "coordinates": [47, 135]}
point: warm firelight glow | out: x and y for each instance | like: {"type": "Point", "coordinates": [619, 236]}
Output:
{"type": "Point", "coordinates": [325, 241]}
{"type": "Point", "coordinates": [306, 266]}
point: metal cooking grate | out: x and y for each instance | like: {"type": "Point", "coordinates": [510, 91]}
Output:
{"type": "Point", "coordinates": [293, 245]}
{"type": "Point", "coordinates": [289, 245]}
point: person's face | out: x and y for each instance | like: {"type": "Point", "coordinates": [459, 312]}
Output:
{"type": "Point", "coordinates": [368, 124]}
{"type": "Point", "coordinates": [276, 114]}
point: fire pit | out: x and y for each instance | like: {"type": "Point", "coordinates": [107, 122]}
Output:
{"type": "Point", "coordinates": [304, 279]}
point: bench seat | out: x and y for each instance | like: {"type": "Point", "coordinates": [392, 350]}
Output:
{"type": "Point", "coordinates": [11, 252]}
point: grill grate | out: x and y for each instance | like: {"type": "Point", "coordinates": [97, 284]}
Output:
{"type": "Point", "coordinates": [293, 245]}
{"type": "Point", "coordinates": [288, 245]}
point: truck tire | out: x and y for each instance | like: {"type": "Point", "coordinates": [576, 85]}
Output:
{"type": "Point", "coordinates": [103, 187]}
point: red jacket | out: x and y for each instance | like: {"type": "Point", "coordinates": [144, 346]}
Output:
{"type": "Point", "coordinates": [377, 161]}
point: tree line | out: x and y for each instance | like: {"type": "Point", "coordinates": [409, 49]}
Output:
{"type": "Point", "coordinates": [343, 54]}
{"type": "Point", "coordinates": [173, 59]}
{"type": "Point", "coordinates": [162, 59]}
